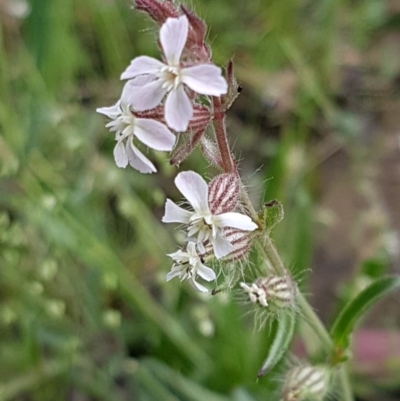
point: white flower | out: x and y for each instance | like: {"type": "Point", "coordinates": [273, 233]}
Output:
{"type": "Point", "coordinates": [255, 293]}
{"type": "Point", "coordinates": [172, 77]}
{"type": "Point", "coordinates": [202, 224]}
{"type": "Point", "coordinates": [188, 265]}
{"type": "Point", "coordinates": [126, 126]}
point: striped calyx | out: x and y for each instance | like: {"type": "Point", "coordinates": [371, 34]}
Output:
{"type": "Point", "coordinates": [223, 193]}
{"type": "Point", "coordinates": [307, 382]}
{"type": "Point", "coordinates": [274, 291]}
{"type": "Point", "coordinates": [189, 140]}
{"type": "Point", "coordinates": [241, 242]}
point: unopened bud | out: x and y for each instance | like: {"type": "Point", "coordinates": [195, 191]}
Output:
{"type": "Point", "coordinates": [274, 291]}
{"type": "Point", "coordinates": [223, 193]}
{"type": "Point", "coordinates": [211, 152]}
{"type": "Point", "coordinates": [196, 129]}
{"type": "Point", "coordinates": [307, 382]}
{"type": "Point", "coordinates": [157, 10]}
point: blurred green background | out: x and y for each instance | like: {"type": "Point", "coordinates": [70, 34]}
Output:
{"type": "Point", "coordinates": [85, 313]}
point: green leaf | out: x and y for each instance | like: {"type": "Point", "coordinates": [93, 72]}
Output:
{"type": "Point", "coordinates": [272, 214]}
{"type": "Point", "coordinates": [355, 309]}
{"type": "Point", "coordinates": [286, 323]}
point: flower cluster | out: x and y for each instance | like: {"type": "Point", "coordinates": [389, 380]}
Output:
{"type": "Point", "coordinates": [174, 95]}
{"type": "Point", "coordinates": [209, 225]}
{"type": "Point", "coordinates": [172, 85]}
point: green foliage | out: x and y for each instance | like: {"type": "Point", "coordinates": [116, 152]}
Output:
{"type": "Point", "coordinates": [85, 312]}
{"type": "Point", "coordinates": [357, 307]}
{"type": "Point", "coordinates": [286, 322]}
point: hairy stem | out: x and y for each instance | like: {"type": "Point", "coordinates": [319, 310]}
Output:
{"type": "Point", "coordinates": [221, 137]}
{"type": "Point", "coordinates": [307, 311]}
{"type": "Point", "coordinates": [271, 253]}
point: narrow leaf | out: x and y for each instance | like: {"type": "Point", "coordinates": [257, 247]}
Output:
{"type": "Point", "coordinates": [355, 309]}
{"type": "Point", "coordinates": [283, 337]}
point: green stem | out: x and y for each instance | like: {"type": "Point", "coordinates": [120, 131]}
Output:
{"type": "Point", "coordinates": [347, 394]}
{"type": "Point", "coordinates": [307, 311]}
{"type": "Point", "coordinates": [271, 253]}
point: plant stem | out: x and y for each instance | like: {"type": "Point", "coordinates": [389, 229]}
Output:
{"type": "Point", "coordinates": [307, 311]}
{"type": "Point", "coordinates": [221, 137]}
{"type": "Point", "coordinates": [271, 253]}
{"type": "Point", "coordinates": [347, 394]}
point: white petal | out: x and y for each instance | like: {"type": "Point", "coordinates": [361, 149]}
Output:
{"type": "Point", "coordinates": [171, 274]}
{"type": "Point", "coordinates": [194, 189]}
{"type": "Point", "coordinates": [178, 109]}
{"type": "Point", "coordinates": [201, 247]}
{"type": "Point", "coordinates": [175, 214]}
{"type": "Point", "coordinates": [154, 134]}
{"type": "Point", "coordinates": [148, 96]}
{"type": "Point", "coordinates": [191, 248]}
{"type": "Point", "coordinates": [142, 65]}
{"type": "Point", "coordinates": [111, 112]}
{"type": "Point", "coordinates": [138, 160]}
{"type": "Point", "coordinates": [205, 79]}
{"type": "Point", "coordinates": [173, 36]}
{"type": "Point", "coordinates": [120, 156]}
{"type": "Point", "coordinates": [235, 220]}
{"type": "Point", "coordinates": [132, 85]}
{"type": "Point", "coordinates": [197, 286]}
{"type": "Point", "coordinates": [222, 246]}
{"type": "Point", "coordinates": [206, 273]}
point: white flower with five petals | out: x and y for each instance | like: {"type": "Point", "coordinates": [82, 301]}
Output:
{"type": "Point", "coordinates": [202, 224]}
{"type": "Point", "coordinates": [126, 127]}
{"type": "Point", "coordinates": [188, 265]}
{"type": "Point", "coordinates": [171, 77]}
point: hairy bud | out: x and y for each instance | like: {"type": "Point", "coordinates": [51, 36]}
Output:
{"type": "Point", "coordinates": [223, 193]}
{"type": "Point", "coordinates": [196, 129]}
{"type": "Point", "coordinates": [274, 291]}
{"type": "Point", "coordinates": [158, 11]}
{"type": "Point", "coordinates": [211, 152]}
{"type": "Point", "coordinates": [307, 382]}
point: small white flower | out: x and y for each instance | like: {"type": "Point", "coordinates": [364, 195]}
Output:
{"type": "Point", "coordinates": [188, 265]}
{"type": "Point", "coordinates": [171, 78]}
{"type": "Point", "coordinates": [202, 224]}
{"type": "Point", "coordinates": [255, 293]}
{"type": "Point", "coordinates": [126, 127]}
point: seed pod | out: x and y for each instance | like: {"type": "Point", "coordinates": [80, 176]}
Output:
{"type": "Point", "coordinates": [307, 382]}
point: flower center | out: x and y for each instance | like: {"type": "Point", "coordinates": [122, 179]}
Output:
{"type": "Point", "coordinates": [171, 77]}
{"type": "Point", "coordinates": [124, 124]}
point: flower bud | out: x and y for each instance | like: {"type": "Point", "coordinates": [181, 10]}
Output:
{"type": "Point", "coordinates": [158, 11]}
{"type": "Point", "coordinates": [307, 382]}
{"type": "Point", "coordinates": [223, 193]}
{"type": "Point", "coordinates": [274, 291]}
{"type": "Point", "coordinates": [211, 152]}
{"type": "Point", "coordinates": [196, 129]}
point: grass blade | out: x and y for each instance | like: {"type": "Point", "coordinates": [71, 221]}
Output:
{"type": "Point", "coordinates": [355, 309]}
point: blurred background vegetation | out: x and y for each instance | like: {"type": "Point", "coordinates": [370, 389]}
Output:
{"type": "Point", "coordinates": [85, 313]}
